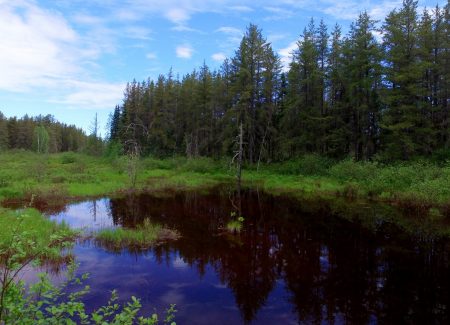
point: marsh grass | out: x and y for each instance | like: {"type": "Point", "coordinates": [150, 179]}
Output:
{"type": "Point", "coordinates": [55, 176]}
{"type": "Point", "coordinates": [141, 237]}
{"type": "Point", "coordinates": [35, 228]}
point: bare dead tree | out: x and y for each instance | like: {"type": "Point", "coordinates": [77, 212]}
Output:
{"type": "Point", "coordinates": [238, 155]}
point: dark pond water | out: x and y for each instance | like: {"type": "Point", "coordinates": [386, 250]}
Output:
{"type": "Point", "coordinates": [293, 261]}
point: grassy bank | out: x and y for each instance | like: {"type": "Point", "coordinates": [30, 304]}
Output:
{"type": "Point", "coordinates": [33, 177]}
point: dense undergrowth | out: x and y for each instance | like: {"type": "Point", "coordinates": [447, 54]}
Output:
{"type": "Point", "coordinates": [33, 177]}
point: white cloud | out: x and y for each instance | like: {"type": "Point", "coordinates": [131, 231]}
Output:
{"type": "Point", "coordinates": [184, 28]}
{"type": "Point", "coordinates": [41, 53]}
{"type": "Point", "coordinates": [219, 57]}
{"type": "Point", "coordinates": [241, 8]}
{"type": "Point", "coordinates": [380, 11]}
{"type": "Point", "coordinates": [91, 95]}
{"type": "Point", "coordinates": [137, 32]}
{"type": "Point", "coordinates": [277, 13]}
{"type": "Point", "coordinates": [349, 10]}
{"type": "Point", "coordinates": [184, 51]}
{"type": "Point", "coordinates": [151, 56]}
{"type": "Point", "coordinates": [271, 38]}
{"type": "Point", "coordinates": [234, 37]}
{"type": "Point", "coordinates": [229, 30]}
{"type": "Point", "coordinates": [177, 15]}
{"type": "Point", "coordinates": [286, 55]}
{"type": "Point", "coordinates": [33, 47]}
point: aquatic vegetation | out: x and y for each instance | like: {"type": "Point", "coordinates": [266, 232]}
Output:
{"type": "Point", "coordinates": [141, 237]}
{"type": "Point", "coordinates": [235, 225]}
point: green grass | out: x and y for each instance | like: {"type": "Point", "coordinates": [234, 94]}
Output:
{"type": "Point", "coordinates": [59, 176]}
{"type": "Point", "coordinates": [141, 237]}
{"type": "Point", "coordinates": [67, 175]}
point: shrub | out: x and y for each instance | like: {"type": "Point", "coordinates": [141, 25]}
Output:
{"type": "Point", "coordinates": [350, 170]}
{"type": "Point", "coordinates": [68, 158]}
{"type": "Point", "coordinates": [308, 165]}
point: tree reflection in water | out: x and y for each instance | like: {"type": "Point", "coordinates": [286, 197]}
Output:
{"type": "Point", "coordinates": [334, 270]}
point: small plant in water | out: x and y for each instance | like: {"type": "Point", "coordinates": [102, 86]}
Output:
{"type": "Point", "coordinates": [236, 224]}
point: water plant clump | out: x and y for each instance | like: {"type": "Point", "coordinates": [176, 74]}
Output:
{"type": "Point", "coordinates": [141, 237]}
{"type": "Point", "coordinates": [235, 225]}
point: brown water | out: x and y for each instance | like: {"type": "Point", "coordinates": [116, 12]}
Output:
{"type": "Point", "coordinates": [293, 261]}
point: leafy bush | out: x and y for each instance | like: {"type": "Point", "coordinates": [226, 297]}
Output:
{"type": "Point", "coordinates": [200, 165]}
{"type": "Point", "coordinates": [166, 164]}
{"type": "Point", "coordinates": [349, 170]}
{"type": "Point", "coordinates": [68, 158]}
{"type": "Point", "coordinates": [308, 165]}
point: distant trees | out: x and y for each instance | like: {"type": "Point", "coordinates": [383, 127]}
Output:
{"type": "Point", "coordinates": [41, 134]}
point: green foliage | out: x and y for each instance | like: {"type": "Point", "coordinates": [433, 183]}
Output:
{"type": "Point", "coordinates": [308, 165]}
{"type": "Point", "coordinates": [33, 228]}
{"type": "Point", "coordinates": [348, 170]}
{"type": "Point", "coordinates": [40, 139]}
{"type": "Point", "coordinates": [202, 165]}
{"type": "Point", "coordinates": [49, 178]}
{"type": "Point", "coordinates": [68, 158]}
{"type": "Point", "coordinates": [113, 150]}
{"type": "Point", "coordinates": [236, 224]}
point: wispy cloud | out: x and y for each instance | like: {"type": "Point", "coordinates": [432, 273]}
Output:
{"type": "Point", "coordinates": [286, 55]}
{"type": "Point", "coordinates": [184, 51]}
{"type": "Point", "coordinates": [276, 37]}
{"type": "Point", "coordinates": [32, 47]}
{"type": "Point", "coordinates": [240, 8]}
{"type": "Point", "coordinates": [41, 52]}
{"type": "Point", "coordinates": [219, 57]}
{"type": "Point", "coordinates": [349, 10]}
{"type": "Point", "coordinates": [90, 95]}
{"type": "Point", "coordinates": [137, 32]}
{"type": "Point", "coordinates": [178, 16]}
{"type": "Point", "coordinates": [233, 38]}
{"type": "Point", "coordinates": [151, 56]}
{"type": "Point", "coordinates": [229, 30]}
{"type": "Point", "coordinates": [276, 13]}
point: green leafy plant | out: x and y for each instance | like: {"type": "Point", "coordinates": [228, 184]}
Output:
{"type": "Point", "coordinates": [235, 225]}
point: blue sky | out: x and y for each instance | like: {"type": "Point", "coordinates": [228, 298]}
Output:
{"type": "Point", "coordinates": [72, 58]}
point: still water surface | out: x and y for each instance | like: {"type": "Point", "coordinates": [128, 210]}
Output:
{"type": "Point", "coordinates": [293, 261]}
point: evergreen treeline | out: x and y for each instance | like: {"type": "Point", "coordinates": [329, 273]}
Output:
{"type": "Point", "coordinates": [41, 134]}
{"type": "Point", "coordinates": [354, 95]}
